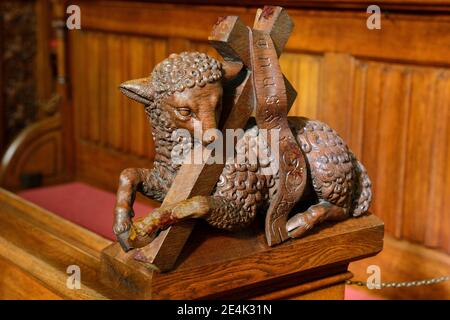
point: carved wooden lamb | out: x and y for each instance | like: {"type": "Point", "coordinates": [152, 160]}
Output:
{"type": "Point", "coordinates": [186, 88]}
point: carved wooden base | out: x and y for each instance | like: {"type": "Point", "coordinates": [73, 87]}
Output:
{"type": "Point", "coordinates": [217, 264]}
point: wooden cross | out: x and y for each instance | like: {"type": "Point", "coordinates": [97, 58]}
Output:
{"type": "Point", "coordinates": [261, 91]}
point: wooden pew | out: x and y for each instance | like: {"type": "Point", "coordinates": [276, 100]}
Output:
{"type": "Point", "coordinates": [38, 247]}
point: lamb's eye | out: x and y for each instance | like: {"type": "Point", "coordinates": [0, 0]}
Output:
{"type": "Point", "coordinates": [184, 112]}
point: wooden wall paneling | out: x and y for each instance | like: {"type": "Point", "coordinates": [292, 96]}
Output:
{"type": "Point", "coordinates": [403, 153]}
{"type": "Point", "coordinates": [63, 84]}
{"type": "Point", "coordinates": [419, 155]}
{"type": "Point", "coordinates": [139, 57]}
{"type": "Point", "coordinates": [158, 20]}
{"type": "Point", "coordinates": [390, 149]}
{"type": "Point", "coordinates": [178, 44]}
{"type": "Point", "coordinates": [336, 92]}
{"type": "Point", "coordinates": [315, 31]}
{"type": "Point", "coordinates": [382, 111]}
{"type": "Point", "coordinates": [113, 124]}
{"type": "Point", "coordinates": [89, 85]}
{"type": "Point", "coordinates": [77, 63]}
{"type": "Point", "coordinates": [160, 51]}
{"type": "Point", "coordinates": [370, 130]}
{"type": "Point", "coordinates": [139, 53]}
{"type": "Point", "coordinates": [437, 233]}
{"type": "Point", "coordinates": [98, 108]}
{"type": "Point", "coordinates": [206, 48]}
{"type": "Point", "coordinates": [125, 58]}
{"type": "Point", "coordinates": [109, 128]}
{"type": "Point", "coordinates": [101, 166]}
{"type": "Point", "coordinates": [303, 71]}
{"type": "Point", "coordinates": [358, 108]}
{"type": "Point", "coordinates": [346, 32]}
{"type": "Point", "coordinates": [403, 5]}
{"type": "Point", "coordinates": [102, 76]}
{"type": "Point", "coordinates": [44, 77]}
{"type": "Point", "coordinates": [445, 216]}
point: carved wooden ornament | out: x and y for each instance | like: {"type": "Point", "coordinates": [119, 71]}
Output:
{"type": "Point", "coordinates": [315, 166]}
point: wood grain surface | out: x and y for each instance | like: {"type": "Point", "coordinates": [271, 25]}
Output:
{"type": "Point", "coordinates": [233, 264]}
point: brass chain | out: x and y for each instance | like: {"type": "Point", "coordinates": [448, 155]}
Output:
{"type": "Point", "coordinates": [406, 284]}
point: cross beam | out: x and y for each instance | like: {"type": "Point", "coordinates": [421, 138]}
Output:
{"type": "Point", "coordinates": [259, 49]}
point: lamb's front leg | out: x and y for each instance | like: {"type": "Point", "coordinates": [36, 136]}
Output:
{"type": "Point", "coordinates": [217, 211]}
{"type": "Point", "coordinates": [131, 180]}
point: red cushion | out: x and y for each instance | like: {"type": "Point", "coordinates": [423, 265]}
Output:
{"type": "Point", "coordinates": [359, 294]}
{"type": "Point", "coordinates": [82, 204]}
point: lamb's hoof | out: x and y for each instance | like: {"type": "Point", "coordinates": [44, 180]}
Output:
{"type": "Point", "coordinates": [299, 224]}
{"type": "Point", "coordinates": [122, 220]}
{"type": "Point", "coordinates": [122, 226]}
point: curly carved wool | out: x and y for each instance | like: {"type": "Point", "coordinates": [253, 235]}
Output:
{"type": "Point", "coordinates": [336, 175]}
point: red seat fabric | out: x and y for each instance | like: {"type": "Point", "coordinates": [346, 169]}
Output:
{"type": "Point", "coordinates": [85, 205]}
{"type": "Point", "coordinates": [359, 294]}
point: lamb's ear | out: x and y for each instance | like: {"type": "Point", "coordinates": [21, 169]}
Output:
{"type": "Point", "coordinates": [230, 69]}
{"type": "Point", "coordinates": [140, 90]}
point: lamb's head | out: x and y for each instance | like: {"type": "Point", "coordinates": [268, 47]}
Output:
{"type": "Point", "coordinates": [183, 89]}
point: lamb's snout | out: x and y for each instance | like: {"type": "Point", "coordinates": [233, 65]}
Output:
{"type": "Point", "coordinates": [139, 90]}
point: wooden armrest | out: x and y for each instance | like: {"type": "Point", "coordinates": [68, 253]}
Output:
{"type": "Point", "coordinates": [41, 246]}
{"type": "Point", "coordinates": [38, 149]}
